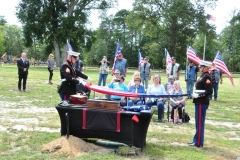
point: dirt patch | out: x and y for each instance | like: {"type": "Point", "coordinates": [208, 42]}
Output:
{"type": "Point", "coordinates": [72, 147]}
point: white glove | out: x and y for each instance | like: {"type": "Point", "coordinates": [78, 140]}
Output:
{"type": "Point", "coordinates": [89, 78]}
{"type": "Point", "coordinates": [82, 81]}
{"type": "Point", "coordinates": [195, 95]}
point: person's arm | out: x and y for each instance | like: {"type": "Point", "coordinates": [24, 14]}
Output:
{"type": "Point", "coordinates": [126, 66]}
{"type": "Point", "coordinates": [150, 74]}
{"type": "Point", "coordinates": [80, 74]}
{"type": "Point", "coordinates": [67, 75]}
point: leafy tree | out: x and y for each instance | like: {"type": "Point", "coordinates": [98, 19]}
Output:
{"type": "Point", "coordinates": [54, 21]}
{"type": "Point", "coordinates": [2, 39]}
{"type": "Point", "coordinates": [2, 21]}
{"type": "Point", "coordinates": [14, 40]}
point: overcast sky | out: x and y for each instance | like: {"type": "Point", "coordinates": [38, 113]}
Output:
{"type": "Point", "coordinates": [222, 12]}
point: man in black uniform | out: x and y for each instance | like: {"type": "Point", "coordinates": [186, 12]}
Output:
{"type": "Point", "coordinates": [68, 74]}
{"type": "Point", "coordinates": [23, 66]}
{"type": "Point", "coordinates": [201, 100]}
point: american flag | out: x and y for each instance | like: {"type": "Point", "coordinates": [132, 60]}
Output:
{"type": "Point", "coordinates": [69, 46]}
{"type": "Point", "coordinates": [211, 18]}
{"type": "Point", "coordinates": [140, 59]}
{"type": "Point", "coordinates": [192, 55]}
{"type": "Point", "coordinates": [168, 59]}
{"type": "Point", "coordinates": [222, 66]}
{"type": "Point", "coordinates": [118, 49]}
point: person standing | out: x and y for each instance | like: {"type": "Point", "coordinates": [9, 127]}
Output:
{"type": "Point", "coordinates": [68, 75]}
{"type": "Point", "coordinates": [121, 64]}
{"type": "Point", "coordinates": [104, 69]}
{"type": "Point", "coordinates": [216, 78]}
{"type": "Point", "coordinates": [201, 100]}
{"type": "Point", "coordinates": [174, 69]}
{"type": "Point", "coordinates": [146, 71]}
{"type": "Point", "coordinates": [23, 66]}
{"type": "Point", "coordinates": [51, 64]}
{"type": "Point", "coordinates": [190, 78]}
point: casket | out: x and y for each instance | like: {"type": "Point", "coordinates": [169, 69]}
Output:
{"type": "Point", "coordinates": [100, 103]}
{"type": "Point", "coordinates": [78, 99]}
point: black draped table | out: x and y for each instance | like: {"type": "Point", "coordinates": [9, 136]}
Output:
{"type": "Point", "coordinates": [120, 126]}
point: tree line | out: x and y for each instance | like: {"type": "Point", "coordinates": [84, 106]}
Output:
{"type": "Point", "coordinates": [150, 26]}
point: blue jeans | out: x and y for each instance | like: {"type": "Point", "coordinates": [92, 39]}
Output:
{"type": "Point", "coordinates": [190, 84]}
{"type": "Point", "coordinates": [160, 105]}
{"type": "Point", "coordinates": [215, 90]}
{"type": "Point", "coordinates": [131, 102]}
{"type": "Point", "coordinates": [145, 81]}
{"type": "Point", "coordinates": [102, 77]}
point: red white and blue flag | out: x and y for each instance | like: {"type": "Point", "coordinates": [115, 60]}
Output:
{"type": "Point", "coordinates": [211, 17]}
{"type": "Point", "coordinates": [193, 56]}
{"type": "Point", "coordinates": [69, 46]}
{"type": "Point", "coordinates": [140, 59]}
{"type": "Point", "coordinates": [168, 59]}
{"type": "Point", "coordinates": [118, 49]}
{"type": "Point", "coordinates": [222, 66]}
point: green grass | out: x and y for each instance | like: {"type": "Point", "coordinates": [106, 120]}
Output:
{"type": "Point", "coordinates": [164, 140]}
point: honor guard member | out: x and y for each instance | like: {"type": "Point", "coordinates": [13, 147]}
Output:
{"type": "Point", "coordinates": [216, 78]}
{"type": "Point", "coordinates": [201, 100]}
{"type": "Point", "coordinates": [190, 78]}
{"type": "Point", "coordinates": [121, 64]}
{"type": "Point", "coordinates": [68, 74]}
{"type": "Point", "coordinates": [174, 69]}
{"type": "Point", "coordinates": [146, 71]}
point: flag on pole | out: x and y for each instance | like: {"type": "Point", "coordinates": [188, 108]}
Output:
{"type": "Point", "coordinates": [192, 55]}
{"type": "Point", "coordinates": [222, 67]}
{"type": "Point", "coordinates": [211, 17]}
{"type": "Point", "coordinates": [69, 46]}
{"type": "Point", "coordinates": [168, 59]}
{"type": "Point", "coordinates": [118, 49]}
{"type": "Point", "coordinates": [140, 59]}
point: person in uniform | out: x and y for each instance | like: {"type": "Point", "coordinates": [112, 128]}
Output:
{"type": "Point", "coordinates": [216, 78]}
{"type": "Point", "coordinates": [146, 71]}
{"type": "Point", "coordinates": [23, 66]}
{"type": "Point", "coordinates": [68, 76]}
{"type": "Point", "coordinates": [174, 69]}
{"type": "Point", "coordinates": [201, 100]}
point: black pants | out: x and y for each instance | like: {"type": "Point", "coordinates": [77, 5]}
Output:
{"type": "Point", "coordinates": [51, 73]}
{"type": "Point", "coordinates": [20, 78]}
{"type": "Point", "coordinates": [179, 107]}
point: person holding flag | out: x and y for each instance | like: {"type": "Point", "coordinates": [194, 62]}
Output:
{"type": "Point", "coordinates": [68, 75]}
{"type": "Point", "coordinates": [145, 72]}
{"type": "Point", "coordinates": [120, 64]}
{"type": "Point", "coordinates": [216, 78]}
{"type": "Point", "coordinates": [190, 78]}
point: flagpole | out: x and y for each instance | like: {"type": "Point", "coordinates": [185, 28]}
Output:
{"type": "Point", "coordinates": [186, 66]}
{"type": "Point", "coordinates": [204, 47]}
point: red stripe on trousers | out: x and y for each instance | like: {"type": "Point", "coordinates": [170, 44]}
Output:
{"type": "Point", "coordinates": [118, 120]}
{"type": "Point", "coordinates": [65, 97]}
{"type": "Point", "coordinates": [199, 124]}
{"type": "Point", "coordinates": [84, 111]}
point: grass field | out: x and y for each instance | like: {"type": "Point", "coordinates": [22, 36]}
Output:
{"type": "Point", "coordinates": [29, 119]}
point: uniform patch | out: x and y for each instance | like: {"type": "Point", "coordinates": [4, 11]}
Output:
{"type": "Point", "coordinates": [208, 81]}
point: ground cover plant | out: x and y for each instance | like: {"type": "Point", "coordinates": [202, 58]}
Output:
{"type": "Point", "coordinates": [29, 120]}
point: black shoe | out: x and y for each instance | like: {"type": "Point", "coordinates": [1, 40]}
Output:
{"type": "Point", "coordinates": [19, 90]}
{"type": "Point", "coordinates": [24, 90]}
{"type": "Point", "coordinates": [215, 99]}
{"type": "Point", "coordinates": [159, 120]}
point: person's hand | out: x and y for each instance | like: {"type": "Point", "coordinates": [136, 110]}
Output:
{"type": "Point", "coordinates": [24, 69]}
{"type": "Point", "coordinates": [195, 95]}
{"type": "Point", "coordinates": [160, 99]}
{"type": "Point", "coordinates": [124, 75]}
{"type": "Point", "coordinates": [67, 70]}
{"type": "Point", "coordinates": [89, 78]}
